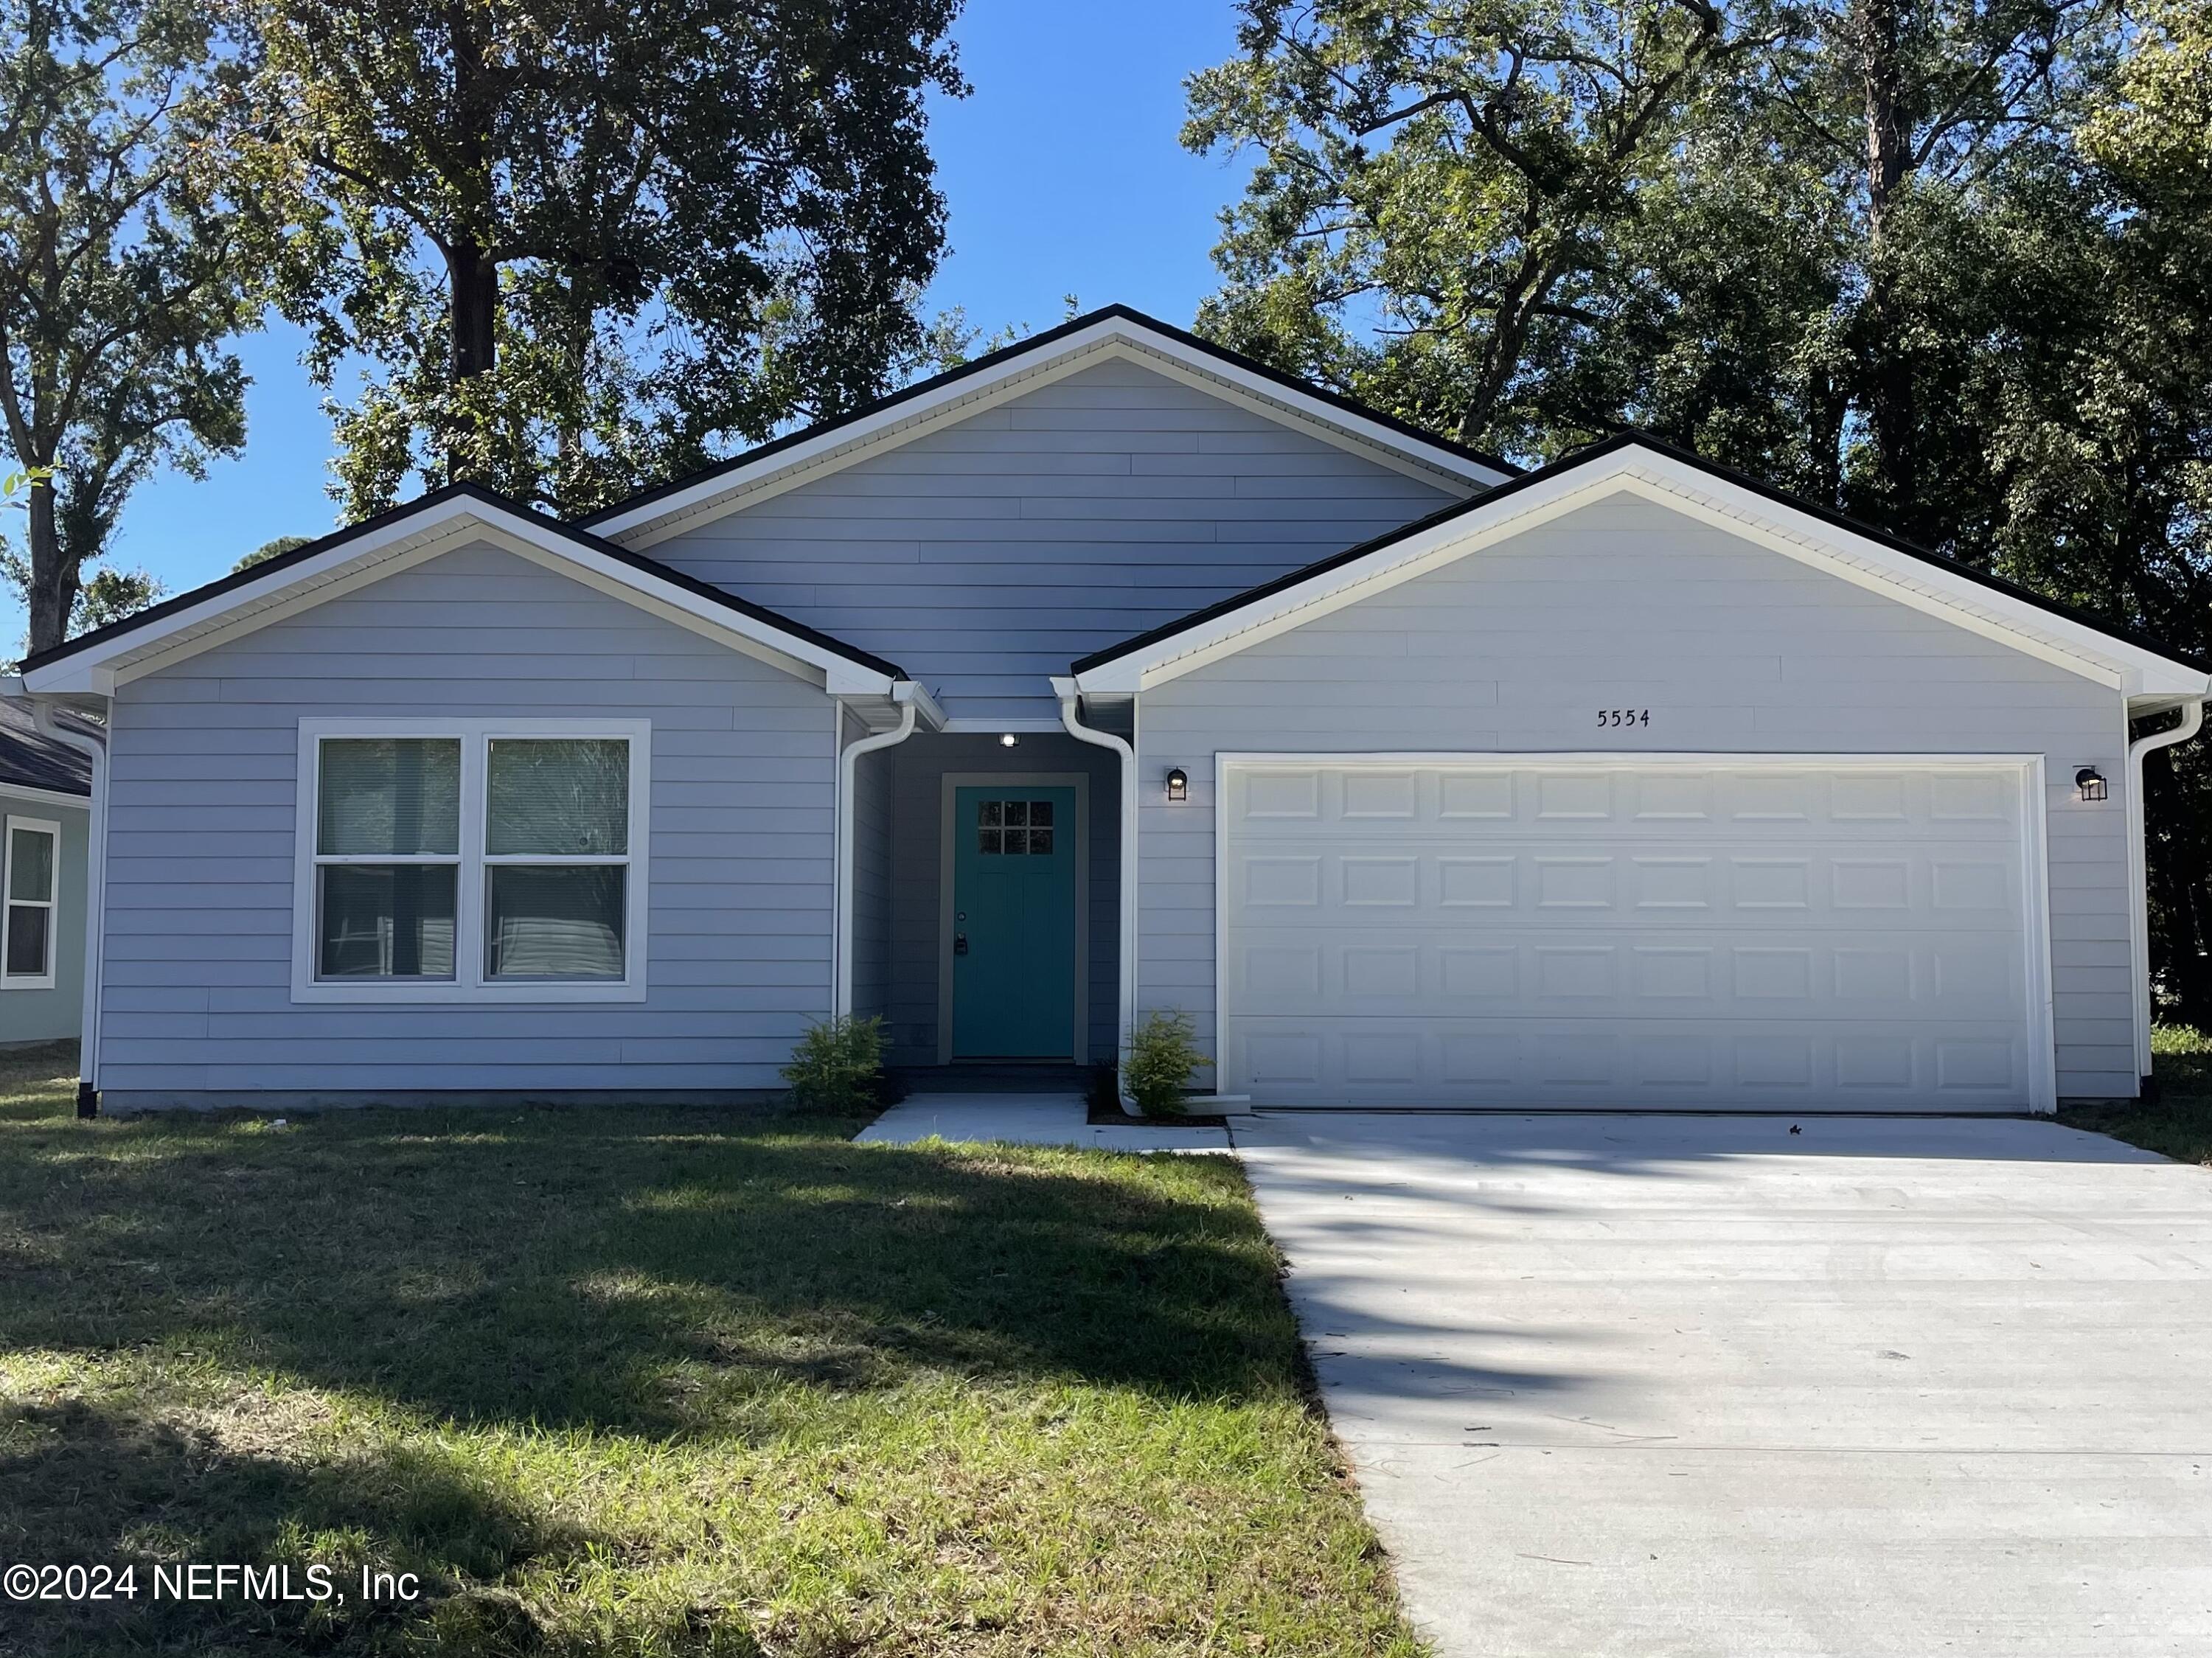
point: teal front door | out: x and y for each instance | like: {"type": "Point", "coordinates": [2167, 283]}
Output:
{"type": "Point", "coordinates": [1013, 923]}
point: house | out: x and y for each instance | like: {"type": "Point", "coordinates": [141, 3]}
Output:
{"type": "Point", "coordinates": [45, 789]}
{"type": "Point", "coordinates": [1114, 672]}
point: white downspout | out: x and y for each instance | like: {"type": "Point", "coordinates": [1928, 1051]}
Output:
{"type": "Point", "coordinates": [96, 896]}
{"type": "Point", "coordinates": [1125, 1005]}
{"type": "Point", "coordinates": [2192, 720]}
{"type": "Point", "coordinates": [848, 767]}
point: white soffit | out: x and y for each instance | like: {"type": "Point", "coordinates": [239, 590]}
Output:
{"type": "Point", "coordinates": [414, 539]}
{"type": "Point", "coordinates": [1668, 483]}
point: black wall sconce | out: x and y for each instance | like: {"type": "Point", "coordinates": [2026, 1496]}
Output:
{"type": "Point", "coordinates": [2090, 784]}
{"type": "Point", "coordinates": [1178, 784]}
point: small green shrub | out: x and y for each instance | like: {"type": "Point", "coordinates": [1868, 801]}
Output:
{"type": "Point", "coordinates": [1163, 1056]}
{"type": "Point", "coordinates": [838, 1064]}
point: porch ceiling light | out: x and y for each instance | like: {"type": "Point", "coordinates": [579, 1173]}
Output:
{"type": "Point", "coordinates": [2089, 783]}
{"type": "Point", "coordinates": [1178, 784]}
{"type": "Point", "coordinates": [1007, 739]}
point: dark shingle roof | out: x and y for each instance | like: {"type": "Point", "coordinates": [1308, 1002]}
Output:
{"type": "Point", "coordinates": [30, 759]}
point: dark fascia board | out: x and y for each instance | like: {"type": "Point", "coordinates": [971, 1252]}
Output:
{"type": "Point", "coordinates": [1582, 457]}
{"type": "Point", "coordinates": [285, 562]}
{"type": "Point", "coordinates": [1052, 337]}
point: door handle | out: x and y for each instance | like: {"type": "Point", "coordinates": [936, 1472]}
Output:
{"type": "Point", "coordinates": [959, 944]}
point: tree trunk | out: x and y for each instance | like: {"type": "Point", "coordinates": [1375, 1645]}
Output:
{"type": "Point", "coordinates": [54, 582]}
{"type": "Point", "coordinates": [472, 276]}
{"type": "Point", "coordinates": [2175, 829]}
{"type": "Point", "coordinates": [475, 299]}
{"type": "Point", "coordinates": [1888, 156]}
{"type": "Point", "coordinates": [1825, 408]}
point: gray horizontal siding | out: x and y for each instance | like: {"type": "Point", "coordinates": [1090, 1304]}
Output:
{"type": "Point", "coordinates": [986, 556]}
{"type": "Point", "coordinates": [200, 847]}
{"type": "Point", "coordinates": [1733, 647]}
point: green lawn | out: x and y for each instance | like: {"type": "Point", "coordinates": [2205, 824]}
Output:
{"type": "Point", "coordinates": [2179, 1124]}
{"type": "Point", "coordinates": [649, 1382]}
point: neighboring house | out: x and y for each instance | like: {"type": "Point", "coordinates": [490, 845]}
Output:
{"type": "Point", "coordinates": [45, 791]}
{"type": "Point", "coordinates": [1046, 694]}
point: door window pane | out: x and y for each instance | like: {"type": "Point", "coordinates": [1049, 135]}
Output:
{"type": "Point", "coordinates": [31, 866]}
{"type": "Point", "coordinates": [558, 798]}
{"type": "Point", "coordinates": [393, 797]}
{"type": "Point", "coordinates": [28, 931]}
{"type": "Point", "coordinates": [550, 922]}
{"type": "Point", "coordinates": [386, 921]}
{"type": "Point", "coordinates": [1040, 814]}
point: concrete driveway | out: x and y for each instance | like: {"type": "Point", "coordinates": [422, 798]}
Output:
{"type": "Point", "coordinates": [1699, 1386]}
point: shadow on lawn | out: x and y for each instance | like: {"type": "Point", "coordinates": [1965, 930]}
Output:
{"type": "Point", "coordinates": [68, 1471]}
{"type": "Point", "coordinates": [653, 1272]}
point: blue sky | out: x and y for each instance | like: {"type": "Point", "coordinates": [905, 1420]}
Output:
{"type": "Point", "coordinates": [1063, 176]}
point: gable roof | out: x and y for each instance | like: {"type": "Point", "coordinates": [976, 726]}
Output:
{"type": "Point", "coordinates": [31, 759]}
{"type": "Point", "coordinates": [1114, 331]}
{"type": "Point", "coordinates": [1673, 478]}
{"type": "Point", "coordinates": [436, 523]}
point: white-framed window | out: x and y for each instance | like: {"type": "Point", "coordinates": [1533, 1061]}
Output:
{"type": "Point", "coordinates": [450, 860]}
{"type": "Point", "coordinates": [31, 879]}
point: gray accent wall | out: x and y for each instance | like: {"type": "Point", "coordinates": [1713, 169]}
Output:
{"type": "Point", "coordinates": [872, 877]}
{"type": "Point", "coordinates": [917, 884]}
{"type": "Point", "coordinates": [986, 556]}
{"type": "Point", "coordinates": [1734, 648]}
{"type": "Point", "coordinates": [205, 758]}
{"type": "Point", "coordinates": [46, 1016]}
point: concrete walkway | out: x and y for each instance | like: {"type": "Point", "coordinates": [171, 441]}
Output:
{"type": "Point", "coordinates": [1026, 1119]}
{"type": "Point", "coordinates": [1663, 1384]}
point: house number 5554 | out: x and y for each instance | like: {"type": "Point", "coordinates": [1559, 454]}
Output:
{"type": "Point", "coordinates": [1624, 716]}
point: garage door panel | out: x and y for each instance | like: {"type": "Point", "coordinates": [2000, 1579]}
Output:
{"type": "Point", "coordinates": [1525, 971]}
{"type": "Point", "coordinates": [1433, 884]}
{"type": "Point", "coordinates": [1489, 932]}
{"type": "Point", "coordinates": [1559, 1065]}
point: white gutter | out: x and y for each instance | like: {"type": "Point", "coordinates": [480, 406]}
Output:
{"type": "Point", "coordinates": [96, 888]}
{"type": "Point", "coordinates": [1124, 1006]}
{"type": "Point", "coordinates": [2193, 720]}
{"type": "Point", "coordinates": [906, 693]}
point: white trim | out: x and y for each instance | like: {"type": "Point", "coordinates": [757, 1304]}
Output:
{"type": "Point", "coordinates": [1671, 484]}
{"type": "Point", "coordinates": [978, 726]}
{"type": "Point", "coordinates": [1109, 339]}
{"type": "Point", "coordinates": [472, 984]}
{"type": "Point", "coordinates": [46, 797]}
{"type": "Point", "coordinates": [949, 784]}
{"type": "Point", "coordinates": [412, 538]}
{"type": "Point", "coordinates": [2035, 919]}
{"type": "Point", "coordinates": [2142, 1012]}
{"type": "Point", "coordinates": [51, 903]}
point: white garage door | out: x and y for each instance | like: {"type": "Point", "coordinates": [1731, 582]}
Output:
{"type": "Point", "coordinates": [1744, 935]}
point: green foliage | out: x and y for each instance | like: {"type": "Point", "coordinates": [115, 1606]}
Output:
{"type": "Point", "coordinates": [1163, 1057]}
{"type": "Point", "coordinates": [583, 246]}
{"type": "Point", "coordinates": [102, 596]}
{"type": "Point", "coordinates": [1945, 266]}
{"type": "Point", "coordinates": [838, 1064]}
{"type": "Point", "coordinates": [120, 275]}
{"type": "Point", "coordinates": [268, 550]}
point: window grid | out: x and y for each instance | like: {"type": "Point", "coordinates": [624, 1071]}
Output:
{"type": "Point", "coordinates": [48, 908]}
{"type": "Point", "coordinates": [471, 979]}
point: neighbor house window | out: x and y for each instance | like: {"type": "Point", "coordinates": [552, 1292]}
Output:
{"type": "Point", "coordinates": [31, 880]}
{"type": "Point", "coordinates": [472, 861]}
